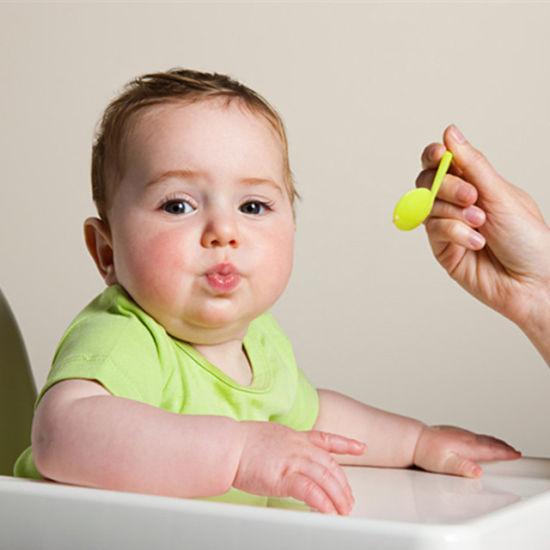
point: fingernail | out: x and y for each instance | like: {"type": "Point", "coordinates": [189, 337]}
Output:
{"type": "Point", "coordinates": [465, 193]}
{"type": "Point", "coordinates": [473, 214]}
{"type": "Point", "coordinates": [476, 239]}
{"type": "Point", "coordinates": [457, 134]}
{"type": "Point", "coordinates": [477, 471]}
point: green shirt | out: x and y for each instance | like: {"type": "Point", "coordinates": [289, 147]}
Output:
{"type": "Point", "coordinates": [114, 342]}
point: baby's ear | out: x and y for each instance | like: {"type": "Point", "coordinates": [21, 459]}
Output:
{"type": "Point", "coordinates": [100, 246]}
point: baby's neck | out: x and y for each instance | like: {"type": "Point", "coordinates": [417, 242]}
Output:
{"type": "Point", "coordinates": [230, 358]}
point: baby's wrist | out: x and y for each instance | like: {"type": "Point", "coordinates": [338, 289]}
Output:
{"type": "Point", "coordinates": [233, 434]}
{"type": "Point", "coordinates": [423, 431]}
{"type": "Point", "coordinates": [245, 433]}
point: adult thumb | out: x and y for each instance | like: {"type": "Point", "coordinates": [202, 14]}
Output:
{"type": "Point", "coordinates": [475, 167]}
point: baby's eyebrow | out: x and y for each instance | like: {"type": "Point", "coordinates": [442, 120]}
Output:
{"type": "Point", "coordinates": [184, 173]}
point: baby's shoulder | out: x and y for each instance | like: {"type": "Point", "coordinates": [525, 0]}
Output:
{"type": "Point", "coordinates": [265, 323]}
{"type": "Point", "coordinates": [267, 329]}
{"type": "Point", "coordinates": [115, 343]}
{"type": "Point", "coordinates": [110, 322]}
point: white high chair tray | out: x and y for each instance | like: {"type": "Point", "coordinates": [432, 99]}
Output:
{"type": "Point", "coordinates": [508, 508]}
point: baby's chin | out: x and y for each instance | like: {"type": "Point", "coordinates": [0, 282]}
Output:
{"type": "Point", "coordinates": [210, 326]}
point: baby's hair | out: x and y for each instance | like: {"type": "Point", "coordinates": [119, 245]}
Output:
{"type": "Point", "coordinates": [173, 86]}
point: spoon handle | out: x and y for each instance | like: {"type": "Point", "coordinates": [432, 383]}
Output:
{"type": "Point", "coordinates": [444, 164]}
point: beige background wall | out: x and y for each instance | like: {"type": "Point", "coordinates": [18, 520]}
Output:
{"type": "Point", "coordinates": [362, 89]}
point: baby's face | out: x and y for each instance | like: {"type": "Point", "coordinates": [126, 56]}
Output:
{"type": "Point", "coordinates": [206, 252]}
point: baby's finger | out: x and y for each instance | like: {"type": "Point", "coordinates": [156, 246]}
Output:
{"type": "Point", "coordinates": [486, 453]}
{"type": "Point", "coordinates": [458, 465]}
{"type": "Point", "coordinates": [305, 489]}
{"type": "Point", "coordinates": [330, 442]}
{"type": "Point", "coordinates": [334, 443]}
{"type": "Point", "coordinates": [490, 448]}
{"type": "Point", "coordinates": [339, 495]}
{"type": "Point", "coordinates": [473, 216]}
{"type": "Point", "coordinates": [453, 189]}
{"type": "Point", "coordinates": [443, 230]}
{"type": "Point", "coordinates": [325, 459]}
{"type": "Point", "coordinates": [494, 452]}
{"type": "Point", "coordinates": [489, 438]}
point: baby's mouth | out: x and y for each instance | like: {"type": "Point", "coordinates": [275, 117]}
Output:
{"type": "Point", "coordinates": [223, 277]}
{"type": "Point", "coordinates": [225, 268]}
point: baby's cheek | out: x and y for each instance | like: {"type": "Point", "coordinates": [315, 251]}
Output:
{"type": "Point", "coordinates": [279, 260]}
{"type": "Point", "coordinates": [160, 262]}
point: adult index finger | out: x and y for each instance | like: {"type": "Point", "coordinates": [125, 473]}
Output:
{"type": "Point", "coordinates": [431, 155]}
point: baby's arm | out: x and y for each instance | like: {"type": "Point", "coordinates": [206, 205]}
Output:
{"type": "Point", "coordinates": [83, 435]}
{"type": "Point", "coordinates": [399, 442]}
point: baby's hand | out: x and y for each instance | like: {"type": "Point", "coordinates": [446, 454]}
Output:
{"type": "Point", "coordinates": [281, 462]}
{"type": "Point", "coordinates": [450, 450]}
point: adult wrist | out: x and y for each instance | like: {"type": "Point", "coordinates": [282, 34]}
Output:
{"type": "Point", "coordinates": [536, 323]}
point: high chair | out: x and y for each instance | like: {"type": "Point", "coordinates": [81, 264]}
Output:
{"type": "Point", "coordinates": [395, 509]}
{"type": "Point", "coordinates": [17, 390]}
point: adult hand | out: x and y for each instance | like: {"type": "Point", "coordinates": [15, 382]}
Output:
{"type": "Point", "coordinates": [450, 450]}
{"type": "Point", "coordinates": [488, 234]}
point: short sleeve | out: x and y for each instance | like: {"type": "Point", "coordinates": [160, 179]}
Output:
{"type": "Point", "coordinates": [117, 351]}
{"type": "Point", "coordinates": [301, 402]}
{"type": "Point", "coordinates": [305, 409]}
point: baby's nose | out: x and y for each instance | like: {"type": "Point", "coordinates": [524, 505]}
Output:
{"type": "Point", "coordinates": [220, 231]}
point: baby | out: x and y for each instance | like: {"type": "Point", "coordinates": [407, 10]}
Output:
{"type": "Point", "coordinates": [176, 380]}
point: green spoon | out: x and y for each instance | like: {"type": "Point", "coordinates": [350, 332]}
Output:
{"type": "Point", "coordinates": [415, 205]}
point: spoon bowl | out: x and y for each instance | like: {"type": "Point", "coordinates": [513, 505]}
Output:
{"type": "Point", "coordinates": [413, 208]}
{"type": "Point", "coordinates": [415, 205]}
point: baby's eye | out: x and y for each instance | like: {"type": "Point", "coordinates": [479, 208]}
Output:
{"type": "Point", "coordinates": [255, 207]}
{"type": "Point", "coordinates": [178, 206]}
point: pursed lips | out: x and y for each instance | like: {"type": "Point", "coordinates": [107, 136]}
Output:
{"type": "Point", "coordinates": [225, 268]}
{"type": "Point", "coordinates": [223, 277]}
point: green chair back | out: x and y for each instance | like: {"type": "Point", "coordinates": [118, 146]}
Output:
{"type": "Point", "coordinates": [17, 390]}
